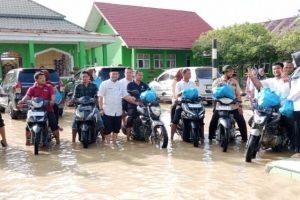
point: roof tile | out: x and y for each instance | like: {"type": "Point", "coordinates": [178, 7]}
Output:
{"type": "Point", "coordinates": [142, 27]}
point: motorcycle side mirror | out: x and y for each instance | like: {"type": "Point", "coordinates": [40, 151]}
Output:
{"type": "Point", "coordinates": [163, 94]}
{"type": "Point", "coordinates": [243, 94]}
{"type": "Point", "coordinates": [71, 79]}
{"type": "Point", "coordinates": [70, 94]}
{"type": "Point", "coordinates": [208, 91]}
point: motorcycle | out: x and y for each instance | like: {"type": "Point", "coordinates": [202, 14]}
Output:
{"type": "Point", "coordinates": [266, 131]}
{"type": "Point", "coordinates": [85, 120]}
{"type": "Point", "coordinates": [37, 123]}
{"type": "Point", "coordinates": [148, 124]}
{"type": "Point", "coordinates": [190, 126]}
{"type": "Point", "coordinates": [226, 129]}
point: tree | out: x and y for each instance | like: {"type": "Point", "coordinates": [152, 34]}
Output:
{"type": "Point", "coordinates": [287, 44]}
{"type": "Point", "coordinates": [238, 44]}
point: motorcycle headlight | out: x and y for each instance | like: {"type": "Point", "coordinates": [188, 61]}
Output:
{"type": "Point", "coordinates": [37, 104]}
{"type": "Point", "coordinates": [259, 119]}
{"type": "Point", "coordinates": [186, 109]}
{"type": "Point", "coordinates": [225, 100]}
{"type": "Point", "coordinates": [156, 110]}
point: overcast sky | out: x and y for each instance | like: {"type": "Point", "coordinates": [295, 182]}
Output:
{"type": "Point", "coordinates": [217, 13]}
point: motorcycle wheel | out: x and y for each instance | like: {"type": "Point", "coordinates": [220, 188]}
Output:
{"type": "Point", "coordinates": [37, 142]}
{"type": "Point", "coordinates": [162, 137]}
{"type": "Point", "coordinates": [224, 138]}
{"type": "Point", "coordinates": [85, 141]}
{"type": "Point", "coordinates": [195, 135]}
{"type": "Point", "coordinates": [251, 150]}
{"type": "Point", "coordinates": [186, 132]}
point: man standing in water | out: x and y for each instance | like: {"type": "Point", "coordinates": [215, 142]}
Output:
{"type": "Point", "coordinates": [111, 94]}
{"type": "Point", "coordinates": [45, 91]}
{"type": "Point", "coordinates": [128, 78]}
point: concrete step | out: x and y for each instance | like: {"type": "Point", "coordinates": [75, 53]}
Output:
{"type": "Point", "coordinates": [289, 167]}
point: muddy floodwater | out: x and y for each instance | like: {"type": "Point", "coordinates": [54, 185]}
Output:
{"type": "Point", "coordinates": [136, 170]}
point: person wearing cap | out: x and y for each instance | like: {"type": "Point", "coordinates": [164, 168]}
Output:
{"type": "Point", "coordinates": [86, 88]}
{"type": "Point", "coordinates": [236, 110]}
{"type": "Point", "coordinates": [278, 84]}
{"type": "Point", "coordinates": [110, 94]}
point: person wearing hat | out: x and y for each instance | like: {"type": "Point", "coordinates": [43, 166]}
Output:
{"type": "Point", "coordinates": [110, 94]}
{"type": "Point", "coordinates": [236, 109]}
{"type": "Point", "coordinates": [86, 88]}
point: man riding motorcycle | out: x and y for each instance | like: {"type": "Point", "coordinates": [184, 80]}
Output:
{"type": "Point", "coordinates": [236, 110]}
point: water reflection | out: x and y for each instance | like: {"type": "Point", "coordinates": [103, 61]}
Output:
{"type": "Point", "coordinates": [136, 170]}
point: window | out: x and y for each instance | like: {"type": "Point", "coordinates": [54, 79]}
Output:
{"type": "Point", "coordinates": [143, 60]}
{"type": "Point", "coordinates": [158, 61]}
{"type": "Point", "coordinates": [164, 77]}
{"type": "Point", "coordinates": [188, 60]}
{"type": "Point", "coordinates": [265, 66]}
{"type": "Point", "coordinates": [171, 60]}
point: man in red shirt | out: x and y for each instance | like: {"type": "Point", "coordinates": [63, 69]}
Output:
{"type": "Point", "coordinates": [45, 91]}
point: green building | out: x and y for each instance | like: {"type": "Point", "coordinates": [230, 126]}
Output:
{"type": "Point", "coordinates": [32, 35]}
{"type": "Point", "coordinates": [148, 39]}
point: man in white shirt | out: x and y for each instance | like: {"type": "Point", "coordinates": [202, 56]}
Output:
{"type": "Point", "coordinates": [280, 85]}
{"type": "Point", "coordinates": [128, 78]}
{"type": "Point", "coordinates": [180, 86]}
{"type": "Point", "coordinates": [110, 95]}
{"type": "Point", "coordinates": [2, 129]}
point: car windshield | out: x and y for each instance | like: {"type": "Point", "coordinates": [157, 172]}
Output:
{"type": "Point", "coordinates": [28, 77]}
{"type": "Point", "coordinates": [104, 73]}
{"type": "Point", "coordinates": [205, 73]}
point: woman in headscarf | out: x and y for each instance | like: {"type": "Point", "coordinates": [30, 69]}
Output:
{"type": "Point", "coordinates": [250, 88]}
{"type": "Point", "coordinates": [294, 96]}
{"type": "Point", "coordinates": [261, 74]}
{"type": "Point", "coordinates": [55, 106]}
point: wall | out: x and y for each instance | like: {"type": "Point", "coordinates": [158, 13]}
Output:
{"type": "Point", "coordinates": [114, 50]}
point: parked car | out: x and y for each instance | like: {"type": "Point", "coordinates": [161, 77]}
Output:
{"type": "Point", "coordinates": [102, 72]}
{"type": "Point", "coordinates": [16, 83]}
{"type": "Point", "coordinates": [201, 75]}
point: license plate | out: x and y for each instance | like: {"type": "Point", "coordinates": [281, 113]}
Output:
{"type": "Point", "coordinates": [85, 108]}
{"type": "Point", "coordinates": [223, 108]}
{"type": "Point", "coordinates": [194, 105]}
{"type": "Point", "coordinates": [36, 114]}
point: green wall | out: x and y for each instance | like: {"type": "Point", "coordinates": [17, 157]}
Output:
{"type": "Point", "coordinates": [114, 50]}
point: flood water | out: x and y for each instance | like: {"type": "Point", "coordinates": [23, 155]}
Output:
{"type": "Point", "coordinates": [136, 170]}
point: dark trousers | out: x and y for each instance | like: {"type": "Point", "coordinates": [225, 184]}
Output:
{"type": "Point", "coordinates": [296, 134]}
{"type": "Point", "coordinates": [289, 125]}
{"type": "Point", "coordinates": [56, 111]}
{"type": "Point", "coordinates": [240, 120]}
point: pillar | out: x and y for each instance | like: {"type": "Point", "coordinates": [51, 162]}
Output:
{"type": "Point", "coordinates": [31, 54]}
{"type": "Point", "coordinates": [81, 55]}
{"type": "Point", "coordinates": [104, 54]}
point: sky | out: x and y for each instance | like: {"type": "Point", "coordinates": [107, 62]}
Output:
{"type": "Point", "coordinates": [217, 13]}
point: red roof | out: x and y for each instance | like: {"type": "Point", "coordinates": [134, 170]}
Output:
{"type": "Point", "coordinates": [283, 25]}
{"type": "Point", "coordinates": [142, 27]}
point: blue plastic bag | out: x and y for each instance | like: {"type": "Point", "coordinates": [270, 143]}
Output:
{"type": "Point", "coordinates": [287, 109]}
{"type": "Point", "coordinates": [149, 95]}
{"type": "Point", "coordinates": [190, 93]}
{"type": "Point", "coordinates": [58, 97]}
{"type": "Point", "coordinates": [97, 81]}
{"type": "Point", "coordinates": [267, 98]}
{"type": "Point", "coordinates": [223, 91]}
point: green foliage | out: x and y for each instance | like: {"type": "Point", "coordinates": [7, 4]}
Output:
{"type": "Point", "coordinates": [238, 44]}
{"type": "Point", "coordinates": [287, 44]}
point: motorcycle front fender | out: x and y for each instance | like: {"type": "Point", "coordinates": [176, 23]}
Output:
{"type": "Point", "coordinates": [225, 122]}
{"type": "Point", "coordinates": [157, 123]}
{"type": "Point", "coordinates": [36, 128]}
{"type": "Point", "coordinates": [256, 132]}
{"type": "Point", "coordinates": [84, 127]}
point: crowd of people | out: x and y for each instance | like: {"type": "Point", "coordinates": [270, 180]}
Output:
{"type": "Point", "coordinates": [114, 102]}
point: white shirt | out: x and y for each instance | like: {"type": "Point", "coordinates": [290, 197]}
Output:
{"type": "Point", "coordinates": [278, 86]}
{"type": "Point", "coordinates": [295, 93]}
{"type": "Point", "coordinates": [112, 93]}
{"type": "Point", "coordinates": [181, 85]}
{"type": "Point", "coordinates": [125, 82]}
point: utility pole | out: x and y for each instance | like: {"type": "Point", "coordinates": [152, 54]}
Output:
{"type": "Point", "coordinates": [214, 58]}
